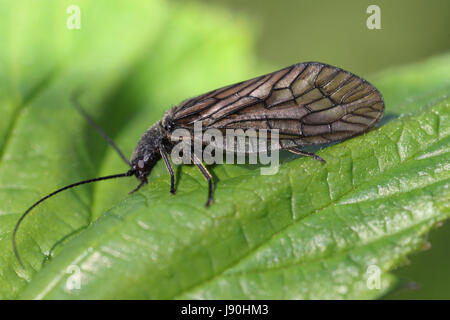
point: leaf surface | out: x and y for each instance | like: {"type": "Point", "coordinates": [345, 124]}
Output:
{"type": "Point", "coordinates": [311, 231]}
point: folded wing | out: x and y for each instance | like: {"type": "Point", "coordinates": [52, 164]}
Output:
{"type": "Point", "coordinates": [311, 102]}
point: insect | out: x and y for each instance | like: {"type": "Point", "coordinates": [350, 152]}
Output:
{"type": "Point", "coordinates": [308, 103]}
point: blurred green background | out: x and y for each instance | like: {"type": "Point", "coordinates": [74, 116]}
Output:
{"type": "Point", "coordinates": [335, 32]}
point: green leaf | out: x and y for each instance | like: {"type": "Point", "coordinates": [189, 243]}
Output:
{"type": "Point", "coordinates": [310, 231]}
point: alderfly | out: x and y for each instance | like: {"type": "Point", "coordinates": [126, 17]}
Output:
{"type": "Point", "coordinates": [307, 104]}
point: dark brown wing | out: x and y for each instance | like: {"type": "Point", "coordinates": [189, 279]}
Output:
{"type": "Point", "coordinates": [313, 102]}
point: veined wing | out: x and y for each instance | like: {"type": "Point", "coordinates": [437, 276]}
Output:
{"type": "Point", "coordinates": [314, 102]}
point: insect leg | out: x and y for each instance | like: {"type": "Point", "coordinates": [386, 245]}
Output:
{"type": "Point", "coordinates": [304, 153]}
{"type": "Point", "coordinates": [141, 184]}
{"type": "Point", "coordinates": [169, 167]}
{"type": "Point", "coordinates": [207, 176]}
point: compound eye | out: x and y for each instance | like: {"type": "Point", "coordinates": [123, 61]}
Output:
{"type": "Point", "coordinates": [168, 125]}
{"type": "Point", "coordinates": [141, 164]}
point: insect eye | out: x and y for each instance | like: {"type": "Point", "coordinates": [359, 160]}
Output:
{"type": "Point", "coordinates": [168, 125]}
{"type": "Point", "coordinates": [141, 164]}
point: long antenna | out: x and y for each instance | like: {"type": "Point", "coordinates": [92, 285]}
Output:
{"type": "Point", "coordinates": [91, 121]}
{"type": "Point", "coordinates": [16, 252]}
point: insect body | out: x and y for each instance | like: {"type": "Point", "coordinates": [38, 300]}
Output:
{"type": "Point", "coordinates": [307, 103]}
